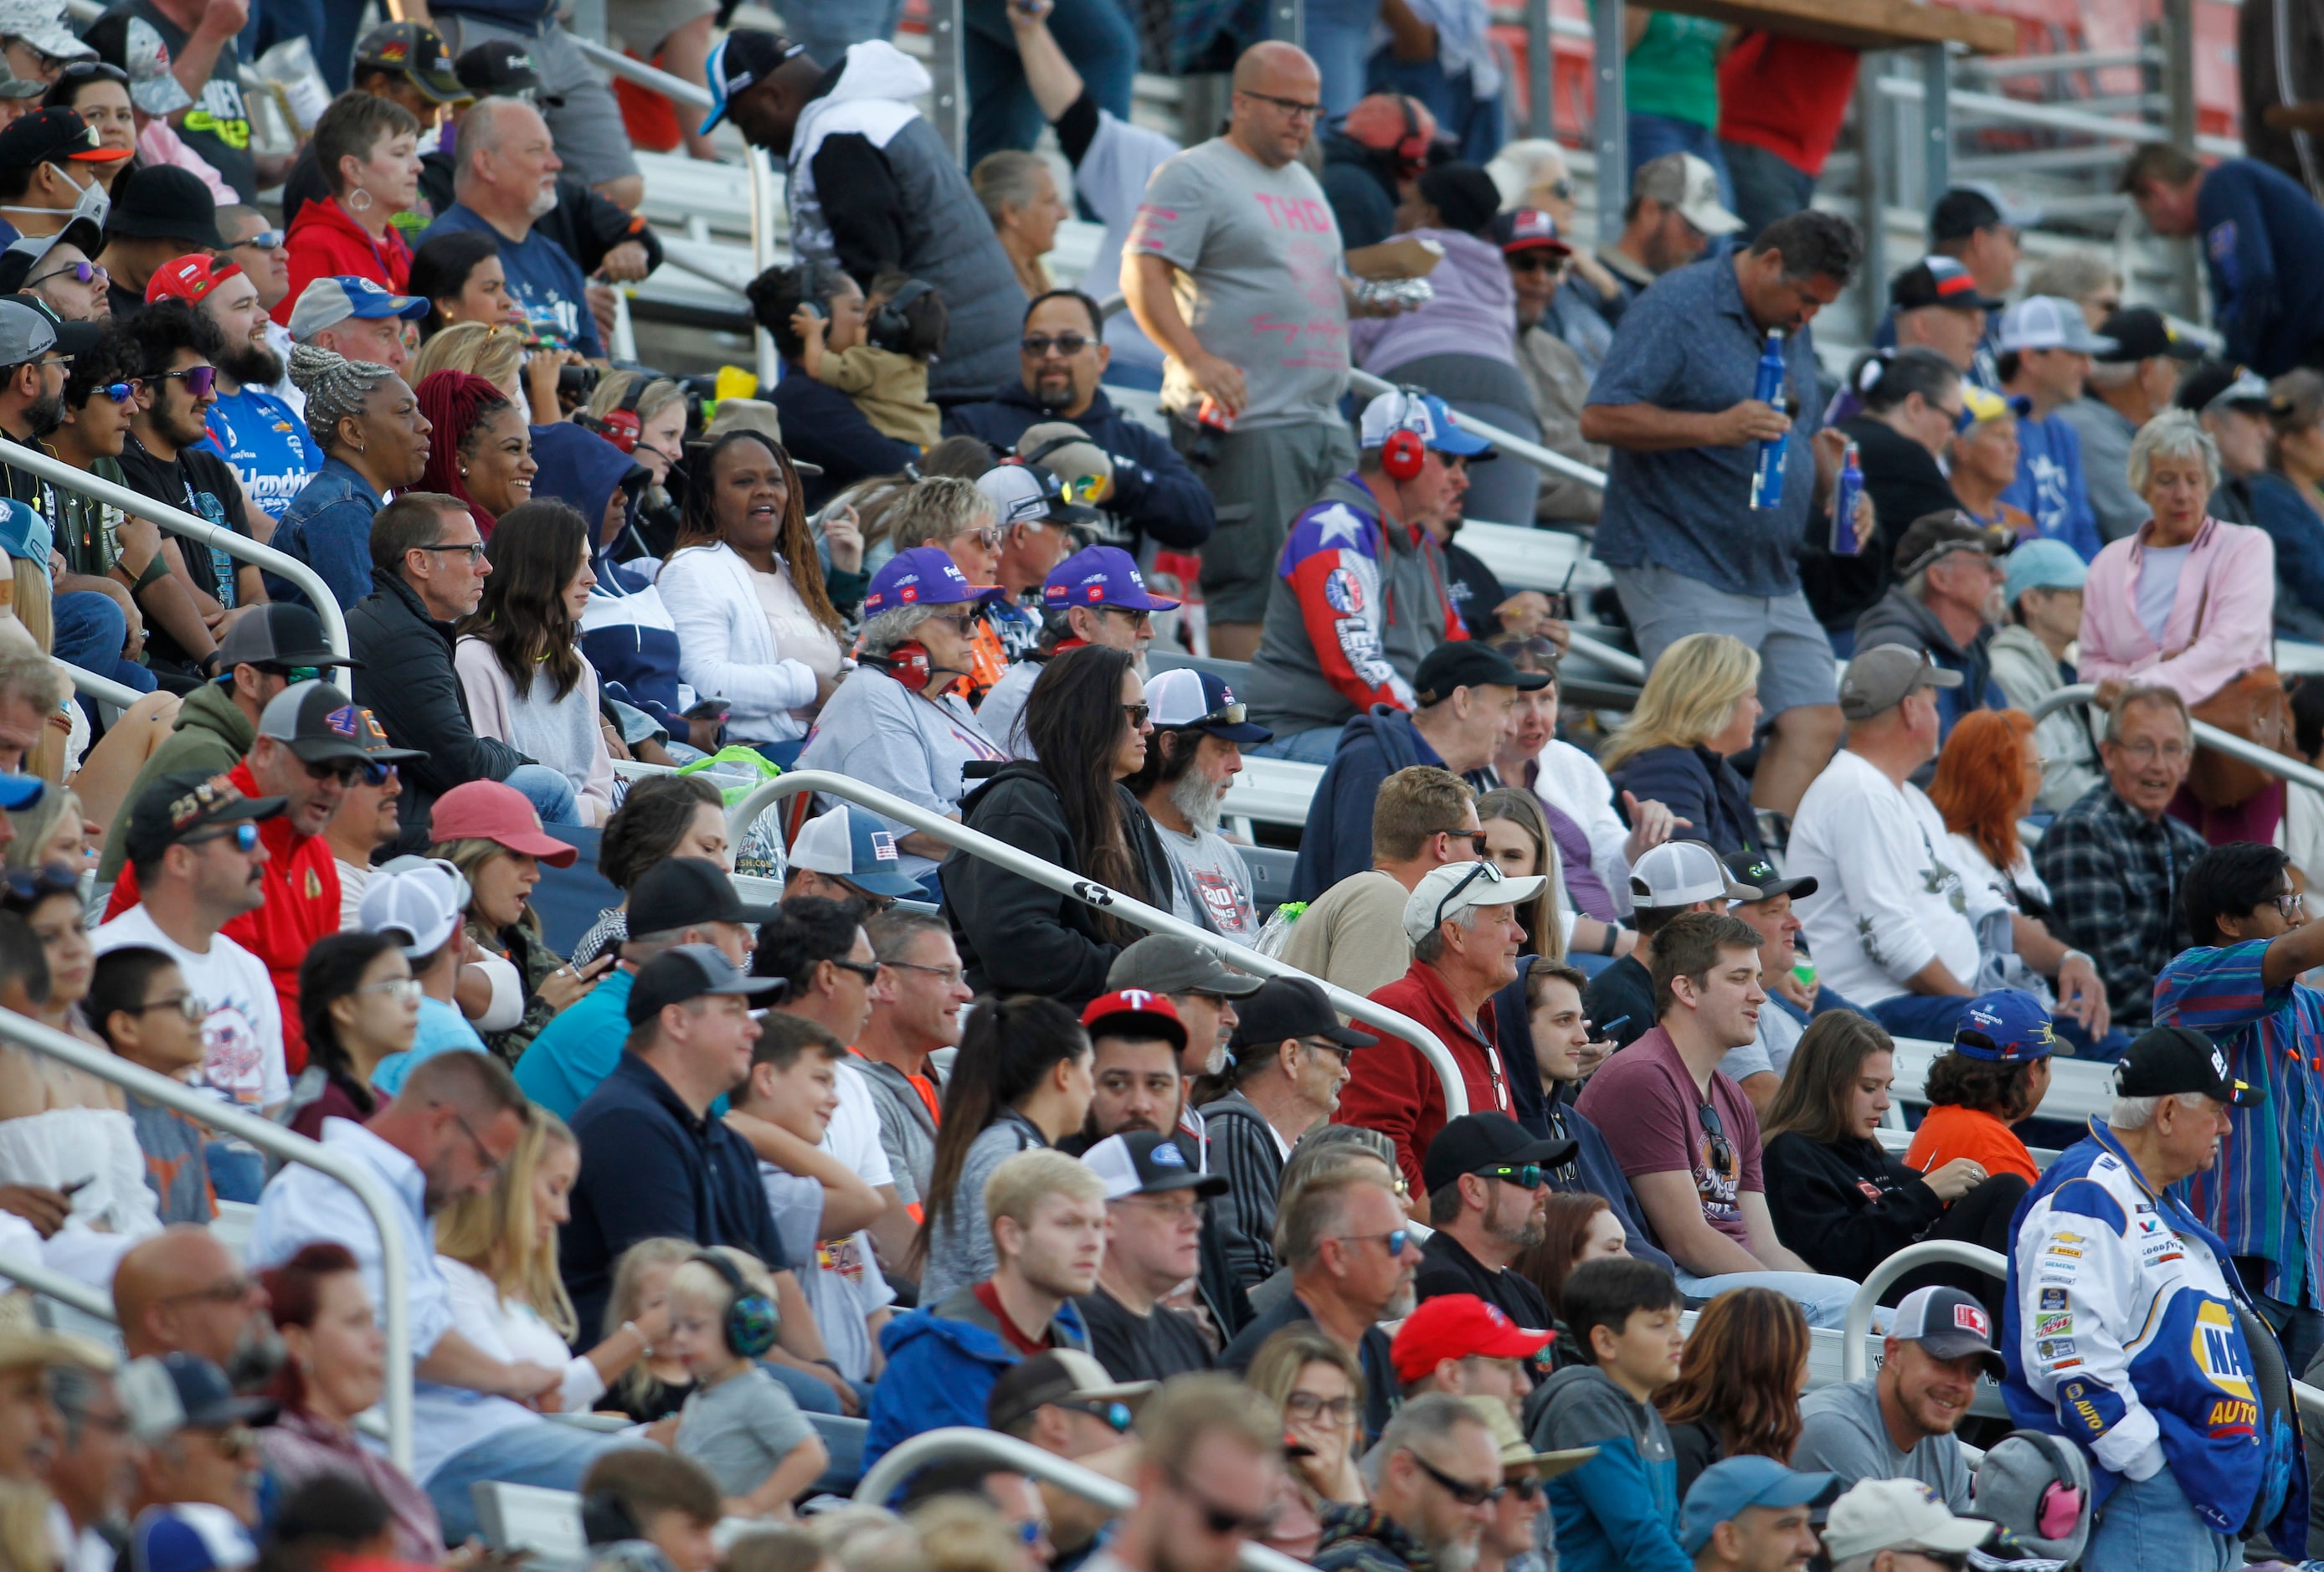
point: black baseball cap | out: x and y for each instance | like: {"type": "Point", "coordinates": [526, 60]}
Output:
{"type": "Point", "coordinates": [1291, 1006]}
{"type": "Point", "coordinates": [688, 971]}
{"type": "Point", "coordinates": [680, 892]}
{"type": "Point", "coordinates": [2223, 384]}
{"type": "Point", "coordinates": [1464, 663]}
{"type": "Point", "coordinates": [1475, 1142]}
{"type": "Point", "coordinates": [1148, 1162]}
{"type": "Point", "coordinates": [1057, 1376]}
{"type": "Point", "coordinates": [184, 803]}
{"type": "Point", "coordinates": [163, 202]}
{"type": "Point", "coordinates": [1965, 209]}
{"type": "Point", "coordinates": [278, 634]}
{"type": "Point", "coordinates": [1935, 535]}
{"type": "Point", "coordinates": [501, 67]}
{"type": "Point", "coordinates": [418, 53]}
{"type": "Point", "coordinates": [1750, 867]}
{"type": "Point", "coordinates": [54, 136]}
{"type": "Point", "coordinates": [744, 58]}
{"type": "Point", "coordinates": [2165, 1060]}
{"type": "Point", "coordinates": [2142, 332]}
{"type": "Point", "coordinates": [25, 254]}
{"type": "Point", "coordinates": [322, 725]}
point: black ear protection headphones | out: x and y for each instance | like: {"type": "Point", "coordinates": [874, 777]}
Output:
{"type": "Point", "coordinates": [888, 328]}
{"type": "Point", "coordinates": [751, 1321]}
{"type": "Point", "coordinates": [606, 1518]}
{"type": "Point", "coordinates": [811, 298]}
{"type": "Point", "coordinates": [619, 425]}
{"type": "Point", "coordinates": [1406, 451]}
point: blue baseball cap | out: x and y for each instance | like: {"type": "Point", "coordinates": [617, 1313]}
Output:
{"type": "Point", "coordinates": [742, 59]}
{"type": "Point", "coordinates": [19, 791]}
{"type": "Point", "coordinates": [926, 576]}
{"type": "Point", "coordinates": [2042, 565]}
{"type": "Point", "coordinates": [25, 534]}
{"type": "Point", "coordinates": [335, 299]}
{"type": "Point", "coordinates": [853, 844]}
{"type": "Point", "coordinates": [1184, 697]}
{"type": "Point", "coordinates": [1099, 576]}
{"type": "Point", "coordinates": [190, 1537]}
{"type": "Point", "coordinates": [1425, 413]}
{"type": "Point", "coordinates": [1734, 1484]}
{"type": "Point", "coordinates": [2005, 1026]}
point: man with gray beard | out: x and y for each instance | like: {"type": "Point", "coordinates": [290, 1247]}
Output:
{"type": "Point", "coordinates": [1437, 1474]}
{"type": "Point", "coordinates": [1095, 596]}
{"type": "Point", "coordinates": [1200, 731]}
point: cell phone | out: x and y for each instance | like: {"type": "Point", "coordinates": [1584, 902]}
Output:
{"type": "Point", "coordinates": [77, 1186]}
{"type": "Point", "coordinates": [1605, 1033]}
{"type": "Point", "coordinates": [707, 710]}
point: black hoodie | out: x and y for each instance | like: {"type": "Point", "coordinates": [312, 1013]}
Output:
{"type": "Point", "coordinates": [1846, 1206]}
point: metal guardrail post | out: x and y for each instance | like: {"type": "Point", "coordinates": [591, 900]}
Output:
{"type": "Point", "coordinates": [1025, 865]}
{"type": "Point", "coordinates": [1540, 116]}
{"type": "Point", "coordinates": [762, 257]}
{"type": "Point", "coordinates": [948, 65]}
{"type": "Point", "coordinates": [267, 1137]}
{"type": "Point", "coordinates": [2179, 92]}
{"type": "Point", "coordinates": [1609, 128]}
{"type": "Point", "coordinates": [2297, 770]}
{"type": "Point", "coordinates": [677, 90]}
{"type": "Point", "coordinates": [1936, 122]}
{"type": "Point", "coordinates": [1617, 660]}
{"type": "Point", "coordinates": [1853, 1359]}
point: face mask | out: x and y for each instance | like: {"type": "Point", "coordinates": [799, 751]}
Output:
{"type": "Point", "coordinates": [95, 203]}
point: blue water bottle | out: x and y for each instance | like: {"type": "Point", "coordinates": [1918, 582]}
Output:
{"type": "Point", "coordinates": [1767, 479]}
{"type": "Point", "coordinates": [1843, 504]}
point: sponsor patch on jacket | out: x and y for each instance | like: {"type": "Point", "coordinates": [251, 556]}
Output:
{"type": "Point", "coordinates": [2054, 1347]}
{"type": "Point", "coordinates": [2053, 1326]}
{"type": "Point", "coordinates": [2054, 1299]}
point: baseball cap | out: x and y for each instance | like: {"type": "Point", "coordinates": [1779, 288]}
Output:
{"type": "Point", "coordinates": [1975, 205]}
{"type": "Point", "coordinates": [51, 136]}
{"type": "Point", "coordinates": [1285, 1008]}
{"type": "Point", "coordinates": [189, 278]}
{"type": "Point", "coordinates": [13, 86]}
{"type": "Point", "coordinates": [183, 804]}
{"type": "Point", "coordinates": [1733, 1485]}
{"type": "Point", "coordinates": [1460, 1326]}
{"type": "Point", "coordinates": [491, 810]}
{"type": "Point", "coordinates": [2005, 1026]}
{"type": "Point", "coordinates": [1465, 663]}
{"type": "Point", "coordinates": [851, 844]}
{"type": "Point", "coordinates": [2216, 382]}
{"type": "Point", "coordinates": [1980, 405]}
{"type": "Point", "coordinates": [1682, 873]}
{"type": "Point", "coordinates": [688, 971]}
{"type": "Point", "coordinates": [1455, 887]}
{"type": "Point", "coordinates": [2050, 322]}
{"type": "Point", "coordinates": [1053, 1377]}
{"type": "Point", "coordinates": [922, 576]}
{"type": "Point", "coordinates": [2042, 565]}
{"type": "Point", "coordinates": [1517, 1455]}
{"type": "Point", "coordinates": [1949, 1324]}
{"type": "Point", "coordinates": [2164, 1061]}
{"type": "Point", "coordinates": [1134, 1012]}
{"type": "Point", "coordinates": [42, 24]}
{"type": "Point", "coordinates": [2142, 332]}
{"type": "Point", "coordinates": [2037, 1487]}
{"type": "Point", "coordinates": [1939, 281]}
{"type": "Point", "coordinates": [1933, 537]}
{"type": "Point", "coordinates": [25, 534]}
{"type": "Point", "coordinates": [332, 300]}
{"type": "Point", "coordinates": [319, 723]}
{"type": "Point", "coordinates": [1882, 678]}
{"type": "Point", "coordinates": [191, 1536]}
{"type": "Point", "coordinates": [422, 897]}
{"type": "Point", "coordinates": [167, 1393]}
{"type": "Point", "coordinates": [164, 202]}
{"type": "Point", "coordinates": [135, 45]}
{"type": "Point", "coordinates": [1750, 867]}
{"type": "Point", "coordinates": [499, 68]}
{"type": "Point", "coordinates": [1084, 469]}
{"type": "Point", "coordinates": [19, 791]}
{"type": "Point", "coordinates": [1683, 181]}
{"type": "Point", "coordinates": [278, 634]}
{"type": "Point", "coordinates": [745, 58]}
{"type": "Point", "coordinates": [418, 53]}
{"type": "Point", "coordinates": [1026, 494]}
{"type": "Point", "coordinates": [25, 253]}
{"type": "Point", "coordinates": [1185, 697]}
{"type": "Point", "coordinates": [1529, 229]}
{"type": "Point", "coordinates": [678, 892]}
{"type": "Point", "coordinates": [1896, 1514]}
{"type": "Point", "coordinates": [64, 337]}
{"type": "Point", "coordinates": [25, 334]}
{"type": "Point", "coordinates": [1164, 963]}
{"type": "Point", "coordinates": [1147, 1163]}
{"type": "Point", "coordinates": [1097, 575]}
{"type": "Point", "coordinates": [1476, 1141]}
{"type": "Point", "coordinates": [1399, 409]}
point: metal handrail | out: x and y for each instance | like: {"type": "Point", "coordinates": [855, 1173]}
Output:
{"type": "Point", "coordinates": [905, 1458]}
{"type": "Point", "coordinates": [48, 1281]}
{"type": "Point", "coordinates": [677, 90]}
{"type": "Point", "coordinates": [270, 1137]}
{"type": "Point", "coordinates": [2207, 735]}
{"type": "Point", "coordinates": [178, 521]}
{"type": "Point", "coordinates": [1049, 876]}
{"type": "Point", "coordinates": [1620, 661]}
{"type": "Point", "coordinates": [103, 689]}
{"type": "Point", "coordinates": [1853, 1359]}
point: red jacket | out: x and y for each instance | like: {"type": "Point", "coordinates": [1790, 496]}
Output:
{"type": "Point", "coordinates": [325, 243]}
{"type": "Point", "coordinates": [1391, 1089]}
{"type": "Point", "coordinates": [301, 881]}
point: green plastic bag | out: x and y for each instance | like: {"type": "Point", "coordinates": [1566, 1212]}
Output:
{"type": "Point", "coordinates": [737, 771]}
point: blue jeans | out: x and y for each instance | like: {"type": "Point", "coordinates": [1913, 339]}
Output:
{"type": "Point", "coordinates": [1316, 747]}
{"type": "Point", "coordinates": [1653, 135]}
{"type": "Point", "coordinates": [548, 792]}
{"type": "Point", "coordinates": [1338, 36]}
{"type": "Point", "coordinates": [1824, 1300]}
{"type": "Point", "coordinates": [1096, 37]}
{"type": "Point", "coordinates": [826, 27]}
{"type": "Point", "coordinates": [1934, 1016]}
{"type": "Point", "coordinates": [1767, 186]}
{"type": "Point", "coordinates": [813, 1395]}
{"type": "Point", "coordinates": [89, 633]}
{"type": "Point", "coordinates": [547, 1454]}
{"type": "Point", "coordinates": [2149, 1522]}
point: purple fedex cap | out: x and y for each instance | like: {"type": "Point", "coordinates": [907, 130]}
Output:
{"type": "Point", "coordinates": [922, 576]}
{"type": "Point", "coordinates": [1099, 576]}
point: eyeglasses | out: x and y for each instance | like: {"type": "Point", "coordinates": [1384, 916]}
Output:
{"type": "Point", "coordinates": [1115, 1415]}
{"type": "Point", "coordinates": [960, 621]}
{"type": "Point", "coordinates": [866, 969]}
{"type": "Point", "coordinates": [226, 1291]}
{"type": "Point", "coordinates": [1395, 1238]}
{"type": "Point", "coordinates": [1338, 1051]}
{"type": "Point", "coordinates": [1221, 1520]}
{"type": "Point", "coordinates": [236, 1442]}
{"type": "Point", "coordinates": [122, 393]}
{"type": "Point", "coordinates": [490, 1165]}
{"type": "Point", "coordinates": [198, 378]}
{"type": "Point", "coordinates": [1722, 1149]}
{"type": "Point", "coordinates": [987, 536]}
{"type": "Point", "coordinates": [265, 240]}
{"type": "Point", "coordinates": [1525, 1176]}
{"type": "Point", "coordinates": [191, 1007]}
{"type": "Point", "coordinates": [1524, 1489]}
{"type": "Point", "coordinates": [399, 990]}
{"type": "Point", "coordinates": [474, 550]}
{"type": "Point", "coordinates": [243, 835]}
{"type": "Point", "coordinates": [1291, 106]}
{"type": "Point", "coordinates": [1307, 1408]}
{"type": "Point", "coordinates": [1137, 714]}
{"type": "Point", "coordinates": [1136, 619]}
{"type": "Point", "coordinates": [1038, 345]}
{"type": "Point", "coordinates": [1537, 261]}
{"type": "Point", "coordinates": [81, 273]}
{"type": "Point", "coordinates": [2169, 752]}
{"type": "Point", "coordinates": [2289, 905]}
{"type": "Point", "coordinates": [1485, 871]}
{"type": "Point", "coordinates": [952, 975]}
{"type": "Point", "coordinates": [1460, 1490]}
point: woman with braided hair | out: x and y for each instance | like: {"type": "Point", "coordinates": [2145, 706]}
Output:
{"type": "Point", "coordinates": [482, 449]}
{"type": "Point", "coordinates": [375, 439]}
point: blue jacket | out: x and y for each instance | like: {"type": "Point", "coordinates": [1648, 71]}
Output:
{"type": "Point", "coordinates": [1618, 1512]}
{"type": "Point", "coordinates": [1337, 840]}
{"type": "Point", "coordinates": [1155, 494]}
{"type": "Point", "coordinates": [2262, 241]}
{"type": "Point", "coordinates": [580, 467]}
{"type": "Point", "coordinates": [941, 1367]}
{"type": "Point", "coordinates": [1697, 785]}
{"type": "Point", "coordinates": [2275, 506]}
{"type": "Point", "coordinates": [822, 424]}
{"type": "Point", "coordinates": [2049, 484]}
{"type": "Point", "coordinates": [327, 527]}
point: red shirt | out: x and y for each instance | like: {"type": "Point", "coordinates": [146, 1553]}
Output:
{"type": "Point", "coordinates": [301, 881]}
{"type": "Point", "coordinates": [1787, 95]}
{"type": "Point", "coordinates": [1393, 1090]}
{"type": "Point", "coordinates": [325, 243]}
{"type": "Point", "coordinates": [1026, 1347]}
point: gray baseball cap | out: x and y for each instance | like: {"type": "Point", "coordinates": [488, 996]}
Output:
{"type": "Point", "coordinates": [25, 334]}
{"type": "Point", "coordinates": [1884, 676]}
{"type": "Point", "coordinates": [1164, 963]}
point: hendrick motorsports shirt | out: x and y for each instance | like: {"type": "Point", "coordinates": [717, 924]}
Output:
{"type": "Point", "coordinates": [266, 442]}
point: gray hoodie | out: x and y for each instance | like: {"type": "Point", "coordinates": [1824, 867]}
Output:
{"type": "Point", "coordinates": [2025, 672]}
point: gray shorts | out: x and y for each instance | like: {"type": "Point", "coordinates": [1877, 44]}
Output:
{"type": "Point", "coordinates": [1797, 665]}
{"type": "Point", "coordinates": [1260, 480]}
{"type": "Point", "coordinates": [644, 24]}
{"type": "Point", "coordinates": [588, 125]}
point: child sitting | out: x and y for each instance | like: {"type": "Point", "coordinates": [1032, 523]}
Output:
{"type": "Point", "coordinates": [881, 364]}
{"type": "Point", "coordinates": [741, 1423]}
{"type": "Point", "coordinates": [1619, 1509]}
{"type": "Point", "coordinates": [138, 1001]}
{"type": "Point", "coordinates": [644, 1492]}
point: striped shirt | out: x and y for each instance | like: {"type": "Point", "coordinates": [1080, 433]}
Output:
{"type": "Point", "coordinates": [2263, 1194]}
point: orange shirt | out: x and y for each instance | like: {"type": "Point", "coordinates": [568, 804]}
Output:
{"type": "Point", "coordinates": [1950, 1131]}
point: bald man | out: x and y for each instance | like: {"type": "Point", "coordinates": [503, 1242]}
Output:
{"type": "Point", "coordinates": [506, 182]}
{"type": "Point", "coordinates": [1238, 227]}
{"type": "Point", "coordinates": [182, 1292]}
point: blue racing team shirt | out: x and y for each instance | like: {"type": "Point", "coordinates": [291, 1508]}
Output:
{"type": "Point", "coordinates": [542, 276]}
{"type": "Point", "coordinates": [267, 445]}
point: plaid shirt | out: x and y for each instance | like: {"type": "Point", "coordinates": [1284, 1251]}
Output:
{"type": "Point", "coordinates": [2263, 1195]}
{"type": "Point", "coordinates": [2114, 878]}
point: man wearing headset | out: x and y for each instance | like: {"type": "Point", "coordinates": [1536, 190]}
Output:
{"type": "Point", "coordinates": [1361, 592]}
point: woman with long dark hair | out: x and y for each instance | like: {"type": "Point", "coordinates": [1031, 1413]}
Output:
{"type": "Point", "coordinates": [358, 1003]}
{"type": "Point", "coordinates": [518, 654]}
{"type": "Point", "coordinates": [99, 94]}
{"type": "Point", "coordinates": [1740, 1380]}
{"type": "Point", "coordinates": [1086, 719]}
{"type": "Point", "coordinates": [1021, 1080]}
{"type": "Point", "coordinates": [756, 627]}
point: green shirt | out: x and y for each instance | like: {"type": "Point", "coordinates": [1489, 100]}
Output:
{"type": "Point", "coordinates": [1675, 70]}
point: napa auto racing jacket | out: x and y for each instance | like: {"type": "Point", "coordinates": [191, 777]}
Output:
{"type": "Point", "coordinates": [2125, 1330]}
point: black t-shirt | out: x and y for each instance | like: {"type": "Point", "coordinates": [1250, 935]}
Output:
{"type": "Point", "coordinates": [1154, 1347]}
{"type": "Point", "coordinates": [1447, 1267]}
{"type": "Point", "coordinates": [218, 125]}
{"type": "Point", "coordinates": [201, 483]}
{"type": "Point", "coordinates": [1623, 988]}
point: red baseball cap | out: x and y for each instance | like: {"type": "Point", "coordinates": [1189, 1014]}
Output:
{"type": "Point", "coordinates": [1133, 1012]}
{"type": "Point", "coordinates": [488, 810]}
{"type": "Point", "coordinates": [189, 278]}
{"type": "Point", "coordinates": [1458, 1326]}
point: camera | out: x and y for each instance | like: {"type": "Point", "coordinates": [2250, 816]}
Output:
{"type": "Point", "coordinates": [576, 382]}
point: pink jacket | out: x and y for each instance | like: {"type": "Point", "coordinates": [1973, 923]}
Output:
{"type": "Point", "coordinates": [2228, 584]}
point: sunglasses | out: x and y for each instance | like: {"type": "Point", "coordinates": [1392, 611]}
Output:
{"type": "Point", "coordinates": [987, 536]}
{"type": "Point", "coordinates": [122, 393]}
{"type": "Point", "coordinates": [1524, 1175]}
{"type": "Point", "coordinates": [198, 380]}
{"type": "Point", "coordinates": [1116, 1415]}
{"type": "Point", "coordinates": [82, 70]}
{"type": "Point", "coordinates": [243, 835]}
{"type": "Point", "coordinates": [80, 272]}
{"type": "Point", "coordinates": [1486, 871]}
{"type": "Point", "coordinates": [378, 774]}
{"type": "Point", "coordinates": [1460, 1490]}
{"type": "Point", "coordinates": [265, 240]}
{"type": "Point", "coordinates": [1395, 1238]}
{"type": "Point", "coordinates": [342, 770]}
{"type": "Point", "coordinates": [1475, 838]}
{"type": "Point", "coordinates": [1223, 1521]}
{"type": "Point", "coordinates": [1137, 714]}
{"type": "Point", "coordinates": [869, 971]}
{"type": "Point", "coordinates": [1537, 261]}
{"type": "Point", "coordinates": [30, 885]}
{"type": "Point", "coordinates": [1722, 1149]}
{"type": "Point", "coordinates": [1038, 345]}
{"type": "Point", "coordinates": [294, 674]}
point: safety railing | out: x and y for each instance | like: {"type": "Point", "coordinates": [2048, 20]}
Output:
{"type": "Point", "coordinates": [270, 1137]}
{"type": "Point", "coordinates": [49, 1282]}
{"type": "Point", "coordinates": [178, 521]}
{"type": "Point", "coordinates": [103, 689]}
{"type": "Point", "coordinates": [2297, 770]}
{"type": "Point", "coordinates": [1088, 891]}
{"type": "Point", "coordinates": [959, 1442]}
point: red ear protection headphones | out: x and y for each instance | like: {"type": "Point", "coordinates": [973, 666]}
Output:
{"type": "Point", "coordinates": [910, 663]}
{"type": "Point", "coordinates": [1411, 150]}
{"type": "Point", "coordinates": [1406, 451]}
{"type": "Point", "coordinates": [621, 425]}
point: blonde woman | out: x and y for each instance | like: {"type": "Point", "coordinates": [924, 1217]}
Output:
{"type": "Point", "coordinates": [1699, 708]}
{"type": "Point", "coordinates": [497, 1252]}
{"type": "Point", "coordinates": [495, 352]}
{"type": "Point", "coordinates": [658, 1386]}
{"type": "Point", "coordinates": [1320, 1388]}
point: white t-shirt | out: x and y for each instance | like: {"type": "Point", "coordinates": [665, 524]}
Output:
{"type": "Point", "coordinates": [2158, 587]}
{"type": "Point", "coordinates": [242, 1036]}
{"type": "Point", "coordinates": [1889, 899]}
{"type": "Point", "coordinates": [854, 1134]}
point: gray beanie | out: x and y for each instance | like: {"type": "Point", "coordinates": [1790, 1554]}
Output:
{"type": "Point", "coordinates": [2017, 1472]}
